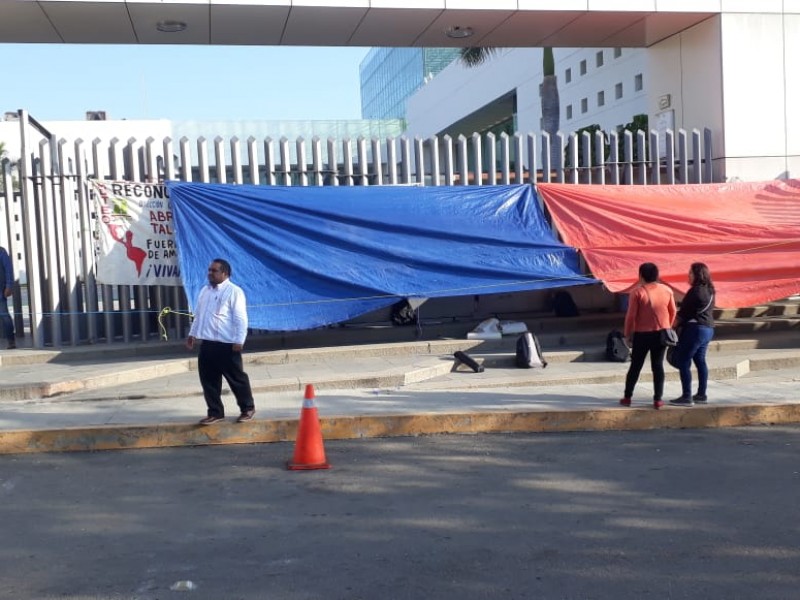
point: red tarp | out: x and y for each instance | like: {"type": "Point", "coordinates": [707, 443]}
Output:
{"type": "Point", "coordinates": [747, 233]}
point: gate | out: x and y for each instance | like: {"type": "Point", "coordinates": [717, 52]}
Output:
{"type": "Point", "coordinates": [49, 217]}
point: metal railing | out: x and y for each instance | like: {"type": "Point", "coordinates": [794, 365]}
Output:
{"type": "Point", "coordinates": [49, 218]}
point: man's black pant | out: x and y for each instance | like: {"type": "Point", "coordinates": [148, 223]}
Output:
{"type": "Point", "coordinates": [215, 361]}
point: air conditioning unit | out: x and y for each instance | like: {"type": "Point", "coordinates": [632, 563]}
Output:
{"type": "Point", "coordinates": [11, 115]}
{"type": "Point", "coordinates": [95, 115]}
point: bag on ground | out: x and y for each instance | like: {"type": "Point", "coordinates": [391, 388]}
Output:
{"type": "Point", "coordinates": [616, 348]}
{"type": "Point", "coordinates": [529, 352]}
{"type": "Point", "coordinates": [403, 313]}
{"type": "Point", "coordinates": [564, 305]}
{"type": "Point", "coordinates": [466, 359]}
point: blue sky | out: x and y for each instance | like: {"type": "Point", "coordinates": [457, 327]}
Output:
{"type": "Point", "coordinates": [63, 81]}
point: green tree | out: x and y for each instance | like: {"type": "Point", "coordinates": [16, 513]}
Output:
{"type": "Point", "coordinates": [591, 130]}
{"type": "Point", "coordinates": [639, 123]}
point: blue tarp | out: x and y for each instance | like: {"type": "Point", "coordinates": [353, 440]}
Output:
{"type": "Point", "coordinates": [313, 256]}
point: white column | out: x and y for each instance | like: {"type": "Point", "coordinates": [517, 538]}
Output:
{"type": "Point", "coordinates": [736, 74]}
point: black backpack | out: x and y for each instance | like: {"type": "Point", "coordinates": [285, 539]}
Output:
{"type": "Point", "coordinates": [616, 348]}
{"type": "Point", "coordinates": [403, 314]}
{"type": "Point", "coordinates": [564, 305]}
{"type": "Point", "coordinates": [529, 353]}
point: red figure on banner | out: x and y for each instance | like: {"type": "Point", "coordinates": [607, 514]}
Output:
{"type": "Point", "coordinates": [134, 253]}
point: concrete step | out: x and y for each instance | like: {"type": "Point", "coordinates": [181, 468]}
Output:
{"type": "Point", "coordinates": [721, 368]}
{"type": "Point", "coordinates": [553, 332]}
{"type": "Point", "coordinates": [356, 368]}
{"type": "Point", "coordinates": [127, 369]}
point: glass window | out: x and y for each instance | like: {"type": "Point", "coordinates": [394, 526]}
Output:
{"type": "Point", "coordinates": [599, 59]}
{"type": "Point", "coordinates": [584, 105]}
{"type": "Point", "coordinates": [601, 98]}
{"type": "Point", "coordinates": [638, 83]}
{"type": "Point", "coordinates": [583, 67]}
{"type": "Point", "coordinates": [618, 91]}
{"type": "Point", "coordinates": [568, 75]}
{"type": "Point", "coordinates": [390, 75]}
{"type": "Point", "coordinates": [569, 111]}
{"type": "Point", "coordinates": [617, 52]}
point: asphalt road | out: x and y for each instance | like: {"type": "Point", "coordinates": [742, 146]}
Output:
{"type": "Point", "coordinates": [706, 514]}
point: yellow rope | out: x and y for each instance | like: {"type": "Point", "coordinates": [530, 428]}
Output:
{"type": "Point", "coordinates": [164, 312]}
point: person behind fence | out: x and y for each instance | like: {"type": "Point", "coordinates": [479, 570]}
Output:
{"type": "Point", "coordinates": [220, 325]}
{"type": "Point", "coordinates": [696, 322]}
{"type": "Point", "coordinates": [7, 277]}
{"type": "Point", "coordinates": [651, 308]}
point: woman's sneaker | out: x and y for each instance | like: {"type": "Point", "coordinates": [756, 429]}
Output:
{"type": "Point", "coordinates": [682, 401]}
{"type": "Point", "coordinates": [700, 398]}
{"type": "Point", "coordinates": [657, 404]}
{"type": "Point", "coordinates": [625, 402]}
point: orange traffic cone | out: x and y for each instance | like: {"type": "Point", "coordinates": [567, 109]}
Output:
{"type": "Point", "coordinates": [309, 453]}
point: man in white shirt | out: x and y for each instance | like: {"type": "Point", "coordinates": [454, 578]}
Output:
{"type": "Point", "coordinates": [220, 324]}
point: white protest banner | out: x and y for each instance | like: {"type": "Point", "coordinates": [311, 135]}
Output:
{"type": "Point", "coordinates": [134, 238]}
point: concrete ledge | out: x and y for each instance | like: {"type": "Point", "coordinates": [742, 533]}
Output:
{"type": "Point", "coordinates": [337, 428]}
{"type": "Point", "coordinates": [118, 376]}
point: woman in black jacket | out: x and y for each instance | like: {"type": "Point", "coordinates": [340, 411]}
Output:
{"type": "Point", "coordinates": [696, 321]}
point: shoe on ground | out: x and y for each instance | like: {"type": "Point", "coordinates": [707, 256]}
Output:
{"type": "Point", "coordinates": [700, 398]}
{"type": "Point", "coordinates": [246, 416]}
{"type": "Point", "coordinates": [625, 402]}
{"type": "Point", "coordinates": [11, 345]}
{"type": "Point", "coordinates": [682, 401]}
{"type": "Point", "coordinates": [211, 420]}
{"type": "Point", "coordinates": [657, 404]}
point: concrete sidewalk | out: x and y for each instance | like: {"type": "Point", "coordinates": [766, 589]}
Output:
{"type": "Point", "coordinates": [114, 398]}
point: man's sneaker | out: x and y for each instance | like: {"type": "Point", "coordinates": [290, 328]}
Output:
{"type": "Point", "coordinates": [700, 398]}
{"type": "Point", "coordinates": [246, 415]}
{"type": "Point", "coordinates": [625, 402]}
{"type": "Point", "coordinates": [657, 404]}
{"type": "Point", "coordinates": [211, 420]}
{"type": "Point", "coordinates": [682, 401]}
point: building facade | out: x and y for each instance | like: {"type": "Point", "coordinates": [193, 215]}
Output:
{"type": "Point", "coordinates": [389, 76]}
{"type": "Point", "coordinates": [597, 86]}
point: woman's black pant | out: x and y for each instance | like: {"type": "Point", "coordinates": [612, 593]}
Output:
{"type": "Point", "coordinates": [645, 342]}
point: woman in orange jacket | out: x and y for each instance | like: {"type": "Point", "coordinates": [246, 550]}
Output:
{"type": "Point", "coordinates": [651, 308]}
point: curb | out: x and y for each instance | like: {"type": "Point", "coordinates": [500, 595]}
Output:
{"type": "Point", "coordinates": [89, 439]}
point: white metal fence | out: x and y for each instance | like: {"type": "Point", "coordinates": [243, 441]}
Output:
{"type": "Point", "coordinates": [49, 217]}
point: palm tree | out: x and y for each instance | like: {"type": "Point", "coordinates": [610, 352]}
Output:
{"type": "Point", "coordinates": [2, 156]}
{"type": "Point", "coordinates": [551, 104]}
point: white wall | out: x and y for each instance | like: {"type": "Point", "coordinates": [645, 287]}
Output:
{"type": "Point", "coordinates": [687, 69]}
{"type": "Point", "coordinates": [791, 36]}
{"type": "Point", "coordinates": [737, 74]}
{"type": "Point", "coordinates": [753, 88]}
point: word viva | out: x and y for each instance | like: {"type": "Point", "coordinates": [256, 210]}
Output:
{"type": "Point", "coordinates": [162, 270]}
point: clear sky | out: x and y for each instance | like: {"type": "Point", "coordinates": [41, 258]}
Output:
{"type": "Point", "coordinates": [63, 81]}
